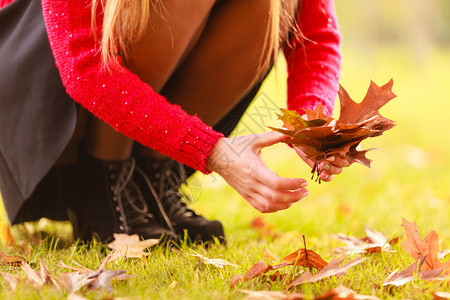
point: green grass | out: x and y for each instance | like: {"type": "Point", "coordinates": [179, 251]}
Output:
{"type": "Point", "coordinates": [409, 178]}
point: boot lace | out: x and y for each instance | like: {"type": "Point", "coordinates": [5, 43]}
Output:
{"type": "Point", "coordinates": [131, 204]}
{"type": "Point", "coordinates": [173, 175]}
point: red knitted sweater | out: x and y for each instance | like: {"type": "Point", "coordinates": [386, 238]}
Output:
{"type": "Point", "coordinates": [129, 105]}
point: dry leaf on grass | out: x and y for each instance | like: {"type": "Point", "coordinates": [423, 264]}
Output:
{"type": "Point", "coordinates": [11, 260]}
{"type": "Point", "coordinates": [306, 258]}
{"type": "Point", "coordinates": [332, 269]}
{"type": "Point", "coordinates": [373, 242]}
{"type": "Point", "coordinates": [129, 246]}
{"type": "Point", "coordinates": [217, 262]}
{"type": "Point", "coordinates": [428, 247]}
{"type": "Point", "coordinates": [441, 296]}
{"type": "Point", "coordinates": [98, 279]}
{"type": "Point", "coordinates": [413, 272]}
{"type": "Point", "coordinates": [320, 139]}
{"type": "Point", "coordinates": [271, 295]}
{"type": "Point", "coordinates": [343, 293]}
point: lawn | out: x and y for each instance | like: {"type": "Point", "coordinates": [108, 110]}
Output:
{"type": "Point", "coordinates": [409, 178]}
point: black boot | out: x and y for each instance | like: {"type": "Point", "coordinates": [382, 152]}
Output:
{"type": "Point", "coordinates": [108, 200]}
{"type": "Point", "coordinates": [167, 176]}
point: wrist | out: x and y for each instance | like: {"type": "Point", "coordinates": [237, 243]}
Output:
{"type": "Point", "coordinates": [217, 156]}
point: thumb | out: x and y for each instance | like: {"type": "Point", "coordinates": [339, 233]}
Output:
{"type": "Point", "coordinates": [269, 138]}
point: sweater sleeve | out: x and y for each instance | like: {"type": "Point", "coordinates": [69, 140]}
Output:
{"type": "Point", "coordinates": [119, 97]}
{"type": "Point", "coordinates": [313, 57]}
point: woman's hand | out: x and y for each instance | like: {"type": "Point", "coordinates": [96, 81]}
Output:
{"type": "Point", "coordinates": [238, 160]}
{"type": "Point", "coordinates": [331, 166]}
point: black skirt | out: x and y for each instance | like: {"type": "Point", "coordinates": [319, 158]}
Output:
{"type": "Point", "coordinates": [37, 117]}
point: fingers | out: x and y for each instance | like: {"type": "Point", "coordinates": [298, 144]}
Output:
{"type": "Point", "coordinates": [338, 161]}
{"type": "Point", "coordinates": [277, 196]}
{"type": "Point", "coordinates": [264, 206]}
{"type": "Point", "coordinates": [268, 139]}
{"type": "Point", "coordinates": [271, 179]}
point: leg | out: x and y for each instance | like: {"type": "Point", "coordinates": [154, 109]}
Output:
{"type": "Point", "coordinates": [222, 67]}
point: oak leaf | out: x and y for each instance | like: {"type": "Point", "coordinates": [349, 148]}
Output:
{"type": "Point", "coordinates": [320, 138]}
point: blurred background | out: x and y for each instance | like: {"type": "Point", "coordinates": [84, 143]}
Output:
{"type": "Point", "coordinates": [409, 41]}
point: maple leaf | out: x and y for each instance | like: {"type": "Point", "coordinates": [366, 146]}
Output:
{"type": "Point", "coordinates": [343, 293]}
{"type": "Point", "coordinates": [373, 242]}
{"type": "Point", "coordinates": [217, 262]}
{"type": "Point", "coordinates": [429, 247]}
{"type": "Point", "coordinates": [413, 272]}
{"type": "Point", "coordinates": [320, 138]}
{"type": "Point", "coordinates": [129, 246]}
{"type": "Point", "coordinates": [332, 269]}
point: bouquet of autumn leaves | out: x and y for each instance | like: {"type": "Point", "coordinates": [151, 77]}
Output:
{"type": "Point", "coordinates": [320, 137]}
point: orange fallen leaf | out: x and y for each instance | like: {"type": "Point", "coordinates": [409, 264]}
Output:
{"type": "Point", "coordinates": [306, 258]}
{"type": "Point", "coordinates": [428, 247]}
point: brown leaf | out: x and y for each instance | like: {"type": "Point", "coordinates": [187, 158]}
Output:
{"type": "Point", "coordinates": [375, 98]}
{"type": "Point", "coordinates": [306, 258]}
{"type": "Point", "coordinates": [319, 138]}
{"type": "Point", "coordinates": [411, 273]}
{"type": "Point", "coordinates": [11, 260]}
{"type": "Point", "coordinates": [256, 270]}
{"type": "Point", "coordinates": [271, 295]}
{"type": "Point", "coordinates": [130, 246]}
{"type": "Point", "coordinates": [343, 293]}
{"type": "Point", "coordinates": [429, 247]}
{"type": "Point", "coordinates": [332, 269]}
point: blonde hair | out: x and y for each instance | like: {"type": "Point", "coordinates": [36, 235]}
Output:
{"type": "Point", "coordinates": [120, 29]}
